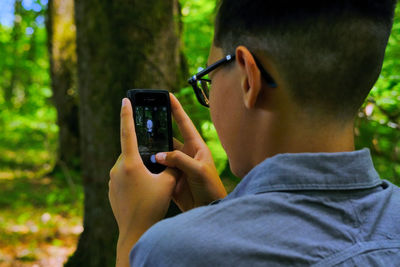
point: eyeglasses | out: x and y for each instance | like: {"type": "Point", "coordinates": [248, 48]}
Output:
{"type": "Point", "coordinates": [201, 85]}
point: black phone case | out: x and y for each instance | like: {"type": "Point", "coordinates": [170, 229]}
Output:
{"type": "Point", "coordinates": [154, 168]}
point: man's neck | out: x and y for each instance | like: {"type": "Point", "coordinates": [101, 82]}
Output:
{"type": "Point", "coordinates": [298, 137]}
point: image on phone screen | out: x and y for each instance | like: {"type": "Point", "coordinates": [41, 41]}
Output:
{"type": "Point", "coordinates": [151, 124]}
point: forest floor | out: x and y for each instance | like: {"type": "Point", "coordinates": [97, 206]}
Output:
{"type": "Point", "coordinates": [40, 214]}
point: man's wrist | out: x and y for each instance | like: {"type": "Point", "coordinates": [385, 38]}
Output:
{"type": "Point", "coordinates": [124, 246]}
{"type": "Point", "coordinates": [126, 241]}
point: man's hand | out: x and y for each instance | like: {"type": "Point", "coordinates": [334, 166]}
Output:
{"type": "Point", "coordinates": [198, 183]}
{"type": "Point", "coordinates": [138, 198]}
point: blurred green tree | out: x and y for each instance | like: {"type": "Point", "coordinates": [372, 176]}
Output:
{"type": "Point", "coordinates": [15, 66]}
{"type": "Point", "coordinates": [61, 40]}
{"type": "Point", "coordinates": [26, 114]}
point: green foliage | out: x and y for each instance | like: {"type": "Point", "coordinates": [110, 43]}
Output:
{"type": "Point", "coordinates": [27, 117]}
{"type": "Point", "coordinates": [198, 22]}
{"type": "Point", "coordinates": [33, 208]}
{"type": "Point", "coordinates": [379, 119]}
{"type": "Point", "coordinates": [198, 30]}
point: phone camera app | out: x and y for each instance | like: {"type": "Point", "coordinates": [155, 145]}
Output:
{"type": "Point", "coordinates": [152, 132]}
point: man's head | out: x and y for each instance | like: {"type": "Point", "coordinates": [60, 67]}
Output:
{"type": "Point", "coordinates": [325, 55]}
{"type": "Point", "coordinates": [329, 52]}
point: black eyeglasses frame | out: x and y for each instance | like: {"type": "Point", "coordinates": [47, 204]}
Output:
{"type": "Point", "coordinates": [199, 92]}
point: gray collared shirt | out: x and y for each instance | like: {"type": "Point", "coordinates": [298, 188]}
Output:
{"type": "Point", "coordinates": [320, 209]}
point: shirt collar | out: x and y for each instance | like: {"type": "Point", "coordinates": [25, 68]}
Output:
{"type": "Point", "coordinates": [310, 171]}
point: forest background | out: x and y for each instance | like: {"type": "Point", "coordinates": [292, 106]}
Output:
{"type": "Point", "coordinates": [42, 198]}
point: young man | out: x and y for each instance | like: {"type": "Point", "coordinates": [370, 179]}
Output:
{"type": "Point", "coordinates": [288, 80]}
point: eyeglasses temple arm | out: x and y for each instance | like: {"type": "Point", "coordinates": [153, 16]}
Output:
{"type": "Point", "coordinates": [270, 81]}
{"type": "Point", "coordinates": [210, 68]}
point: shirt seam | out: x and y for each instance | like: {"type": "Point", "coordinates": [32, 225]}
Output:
{"type": "Point", "coordinates": [292, 187]}
{"type": "Point", "coordinates": [357, 249]}
{"type": "Point", "coordinates": [358, 222]}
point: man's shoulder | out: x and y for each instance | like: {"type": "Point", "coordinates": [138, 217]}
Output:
{"type": "Point", "coordinates": [173, 240]}
{"type": "Point", "coordinates": [255, 228]}
{"type": "Point", "coordinates": [274, 227]}
{"type": "Point", "coordinates": [200, 221]}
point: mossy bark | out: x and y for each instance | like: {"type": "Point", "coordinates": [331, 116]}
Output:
{"type": "Point", "coordinates": [62, 53]}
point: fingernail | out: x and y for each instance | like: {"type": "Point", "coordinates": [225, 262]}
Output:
{"type": "Point", "coordinates": [124, 102]}
{"type": "Point", "coordinates": [161, 156]}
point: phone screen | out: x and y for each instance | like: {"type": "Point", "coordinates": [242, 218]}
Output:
{"type": "Point", "coordinates": [152, 128]}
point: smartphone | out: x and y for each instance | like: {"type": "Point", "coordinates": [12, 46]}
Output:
{"type": "Point", "coordinates": [153, 126]}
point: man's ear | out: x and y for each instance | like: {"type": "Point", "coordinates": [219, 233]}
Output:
{"type": "Point", "coordinates": [251, 79]}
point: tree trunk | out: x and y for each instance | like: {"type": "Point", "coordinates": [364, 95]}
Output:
{"type": "Point", "coordinates": [15, 37]}
{"type": "Point", "coordinates": [62, 53]}
{"type": "Point", "coordinates": [121, 45]}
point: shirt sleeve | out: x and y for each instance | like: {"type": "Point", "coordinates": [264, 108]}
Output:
{"type": "Point", "coordinates": [140, 253]}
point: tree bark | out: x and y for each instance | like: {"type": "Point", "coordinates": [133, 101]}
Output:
{"type": "Point", "coordinates": [62, 53]}
{"type": "Point", "coordinates": [121, 45]}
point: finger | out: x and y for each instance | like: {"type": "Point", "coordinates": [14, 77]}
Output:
{"type": "Point", "coordinates": [185, 125]}
{"type": "Point", "coordinates": [128, 136]}
{"type": "Point", "coordinates": [177, 144]}
{"type": "Point", "coordinates": [178, 159]}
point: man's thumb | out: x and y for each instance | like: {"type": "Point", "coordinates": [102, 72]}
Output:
{"type": "Point", "coordinates": [179, 160]}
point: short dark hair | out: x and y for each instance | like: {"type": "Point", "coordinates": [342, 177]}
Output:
{"type": "Point", "coordinates": [329, 52]}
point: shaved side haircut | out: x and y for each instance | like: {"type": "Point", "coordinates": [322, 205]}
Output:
{"type": "Point", "coordinates": [330, 53]}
